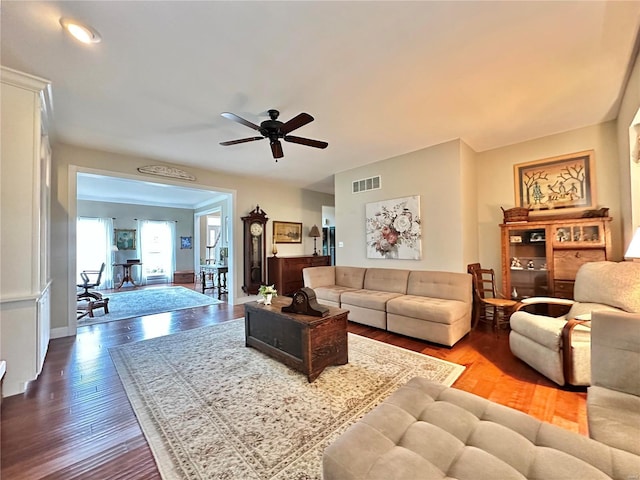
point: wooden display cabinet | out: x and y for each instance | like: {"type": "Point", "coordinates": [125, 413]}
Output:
{"type": "Point", "coordinates": [541, 258]}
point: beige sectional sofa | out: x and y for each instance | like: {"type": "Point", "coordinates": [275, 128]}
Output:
{"type": "Point", "coordinates": [427, 431]}
{"type": "Point", "coordinates": [430, 305]}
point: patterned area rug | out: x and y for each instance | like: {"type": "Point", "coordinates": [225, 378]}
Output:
{"type": "Point", "coordinates": [148, 301]}
{"type": "Point", "coordinates": [212, 408]}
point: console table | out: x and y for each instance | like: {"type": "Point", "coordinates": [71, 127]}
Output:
{"type": "Point", "coordinates": [305, 343]}
{"type": "Point", "coordinates": [217, 272]}
{"type": "Point", "coordinates": [126, 272]}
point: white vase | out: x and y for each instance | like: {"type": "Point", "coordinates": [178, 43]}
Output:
{"type": "Point", "coordinates": [267, 298]}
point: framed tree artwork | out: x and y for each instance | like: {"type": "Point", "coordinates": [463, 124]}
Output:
{"type": "Point", "coordinates": [565, 183]}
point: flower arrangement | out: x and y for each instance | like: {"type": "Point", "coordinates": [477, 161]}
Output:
{"type": "Point", "coordinates": [391, 226]}
{"type": "Point", "coordinates": [265, 290]}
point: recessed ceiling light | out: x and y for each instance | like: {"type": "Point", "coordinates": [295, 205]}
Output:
{"type": "Point", "coordinates": [81, 32]}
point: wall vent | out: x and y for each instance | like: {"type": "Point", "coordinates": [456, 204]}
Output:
{"type": "Point", "coordinates": [366, 184]}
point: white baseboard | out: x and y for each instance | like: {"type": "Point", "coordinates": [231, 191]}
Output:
{"type": "Point", "coordinates": [60, 332]}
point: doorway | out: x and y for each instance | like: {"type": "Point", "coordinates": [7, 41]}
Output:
{"type": "Point", "coordinates": [102, 191]}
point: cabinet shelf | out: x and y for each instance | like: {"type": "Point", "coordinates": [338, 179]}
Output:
{"type": "Point", "coordinates": [556, 248]}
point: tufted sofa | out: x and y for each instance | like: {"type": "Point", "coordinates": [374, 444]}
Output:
{"type": "Point", "coordinates": [430, 305]}
{"type": "Point", "coordinates": [428, 431]}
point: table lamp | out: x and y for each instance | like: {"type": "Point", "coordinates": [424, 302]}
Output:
{"type": "Point", "coordinates": [315, 233]}
{"type": "Point", "coordinates": [633, 252]}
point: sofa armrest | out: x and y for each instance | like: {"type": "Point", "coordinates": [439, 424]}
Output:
{"type": "Point", "coordinates": [567, 353]}
{"type": "Point", "coordinates": [615, 351]}
{"type": "Point", "coordinates": [319, 276]}
{"type": "Point", "coordinates": [525, 302]}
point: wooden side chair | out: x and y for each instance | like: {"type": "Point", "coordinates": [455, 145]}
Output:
{"type": "Point", "coordinates": [488, 305]}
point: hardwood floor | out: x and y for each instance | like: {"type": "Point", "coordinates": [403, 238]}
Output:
{"type": "Point", "coordinates": [75, 421]}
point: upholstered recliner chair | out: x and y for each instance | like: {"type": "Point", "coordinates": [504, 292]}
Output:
{"type": "Point", "coordinates": [560, 347]}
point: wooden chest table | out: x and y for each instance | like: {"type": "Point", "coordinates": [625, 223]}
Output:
{"type": "Point", "coordinates": [305, 343]}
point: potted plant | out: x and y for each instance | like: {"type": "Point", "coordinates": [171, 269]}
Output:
{"type": "Point", "coordinates": [267, 292]}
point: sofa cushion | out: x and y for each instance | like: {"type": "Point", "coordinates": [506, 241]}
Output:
{"type": "Point", "coordinates": [584, 309]}
{"type": "Point", "coordinates": [351, 277]}
{"type": "Point", "coordinates": [430, 309]}
{"type": "Point", "coordinates": [331, 292]}
{"type": "Point", "coordinates": [611, 283]}
{"type": "Point", "coordinates": [373, 299]}
{"type": "Point", "coordinates": [428, 431]}
{"type": "Point", "coordinates": [386, 280]}
{"type": "Point", "coordinates": [447, 285]}
{"type": "Point", "coordinates": [319, 276]}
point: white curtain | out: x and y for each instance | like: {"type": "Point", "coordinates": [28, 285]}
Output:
{"type": "Point", "coordinates": [94, 245]}
{"type": "Point", "coordinates": [157, 250]}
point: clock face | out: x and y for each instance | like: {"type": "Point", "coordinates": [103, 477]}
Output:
{"type": "Point", "coordinates": [256, 229]}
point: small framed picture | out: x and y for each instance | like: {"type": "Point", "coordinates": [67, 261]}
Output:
{"type": "Point", "coordinates": [515, 239]}
{"type": "Point", "coordinates": [185, 242]}
{"type": "Point", "coordinates": [125, 239]}
{"type": "Point", "coordinates": [287, 232]}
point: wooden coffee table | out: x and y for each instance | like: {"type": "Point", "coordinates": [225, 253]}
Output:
{"type": "Point", "coordinates": [305, 343]}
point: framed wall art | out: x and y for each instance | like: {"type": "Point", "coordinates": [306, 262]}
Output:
{"type": "Point", "coordinates": [125, 239]}
{"type": "Point", "coordinates": [564, 183]}
{"type": "Point", "coordinates": [287, 232]}
{"type": "Point", "coordinates": [185, 243]}
{"type": "Point", "coordinates": [393, 229]}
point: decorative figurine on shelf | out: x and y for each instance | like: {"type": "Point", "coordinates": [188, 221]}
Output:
{"type": "Point", "coordinates": [530, 265]}
{"type": "Point", "coordinates": [267, 292]}
{"type": "Point", "coordinates": [514, 293]}
{"type": "Point", "coordinates": [515, 263]}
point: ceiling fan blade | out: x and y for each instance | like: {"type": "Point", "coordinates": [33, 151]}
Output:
{"type": "Point", "coordinates": [242, 140]}
{"type": "Point", "coordinates": [296, 122]}
{"type": "Point", "coordinates": [306, 141]}
{"type": "Point", "coordinates": [236, 118]}
{"type": "Point", "coordinates": [276, 149]}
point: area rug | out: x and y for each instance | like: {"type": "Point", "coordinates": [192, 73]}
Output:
{"type": "Point", "coordinates": [148, 301]}
{"type": "Point", "coordinates": [210, 407]}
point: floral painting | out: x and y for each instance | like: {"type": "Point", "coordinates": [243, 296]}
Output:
{"type": "Point", "coordinates": [393, 229]}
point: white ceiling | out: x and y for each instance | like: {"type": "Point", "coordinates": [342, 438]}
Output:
{"type": "Point", "coordinates": [101, 188]}
{"type": "Point", "coordinates": [380, 78]}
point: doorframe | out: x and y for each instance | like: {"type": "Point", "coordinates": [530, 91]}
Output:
{"type": "Point", "coordinates": [72, 200]}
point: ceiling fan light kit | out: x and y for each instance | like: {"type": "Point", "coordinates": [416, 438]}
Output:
{"type": "Point", "coordinates": [274, 130]}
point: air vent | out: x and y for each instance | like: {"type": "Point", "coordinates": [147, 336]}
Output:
{"type": "Point", "coordinates": [366, 184]}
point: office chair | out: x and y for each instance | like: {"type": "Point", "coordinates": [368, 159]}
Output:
{"type": "Point", "coordinates": [87, 283]}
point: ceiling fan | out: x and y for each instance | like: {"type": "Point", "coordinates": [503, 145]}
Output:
{"type": "Point", "coordinates": [275, 130]}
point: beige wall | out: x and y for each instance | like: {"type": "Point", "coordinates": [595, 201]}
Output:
{"type": "Point", "coordinates": [461, 195]}
{"type": "Point", "coordinates": [629, 171]}
{"type": "Point", "coordinates": [280, 201]}
{"type": "Point", "coordinates": [469, 190]}
{"type": "Point", "coordinates": [125, 216]}
{"type": "Point", "coordinates": [496, 188]}
{"type": "Point", "coordinates": [441, 175]}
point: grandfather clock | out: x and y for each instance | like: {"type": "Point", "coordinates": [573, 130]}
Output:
{"type": "Point", "coordinates": [254, 250]}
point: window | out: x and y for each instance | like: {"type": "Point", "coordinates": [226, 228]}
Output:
{"type": "Point", "coordinates": [157, 251]}
{"type": "Point", "coordinates": [93, 247]}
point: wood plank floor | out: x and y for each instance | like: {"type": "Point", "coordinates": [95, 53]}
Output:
{"type": "Point", "coordinates": [75, 421]}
